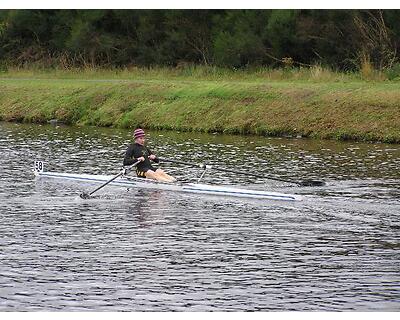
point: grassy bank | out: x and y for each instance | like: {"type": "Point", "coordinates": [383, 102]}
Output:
{"type": "Point", "coordinates": [314, 103]}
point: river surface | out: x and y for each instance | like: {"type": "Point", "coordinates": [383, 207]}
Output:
{"type": "Point", "coordinates": [141, 250]}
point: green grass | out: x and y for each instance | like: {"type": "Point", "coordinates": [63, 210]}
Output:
{"type": "Point", "coordinates": [311, 103]}
{"type": "Point", "coordinates": [196, 72]}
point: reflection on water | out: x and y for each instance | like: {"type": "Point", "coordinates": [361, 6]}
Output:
{"type": "Point", "coordinates": [141, 250]}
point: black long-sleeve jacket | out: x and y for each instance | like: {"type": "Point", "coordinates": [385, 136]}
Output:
{"type": "Point", "coordinates": [136, 151]}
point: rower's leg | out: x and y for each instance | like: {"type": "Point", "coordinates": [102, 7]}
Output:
{"type": "Point", "coordinates": [156, 176]}
{"type": "Point", "coordinates": [163, 174]}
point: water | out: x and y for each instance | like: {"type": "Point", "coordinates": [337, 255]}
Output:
{"type": "Point", "coordinates": [162, 251]}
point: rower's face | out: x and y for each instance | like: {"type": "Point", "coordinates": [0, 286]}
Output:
{"type": "Point", "coordinates": [140, 140]}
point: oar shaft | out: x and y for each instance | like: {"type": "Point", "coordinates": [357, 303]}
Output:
{"type": "Point", "coordinates": [123, 171]}
{"type": "Point", "coordinates": [257, 175]}
{"type": "Point", "coordinates": [230, 170]}
{"type": "Point", "coordinates": [191, 164]}
{"type": "Point", "coordinates": [106, 183]}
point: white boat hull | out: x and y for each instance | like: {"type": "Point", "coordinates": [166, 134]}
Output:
{"type": "Point", "coordinates": [188, 187]}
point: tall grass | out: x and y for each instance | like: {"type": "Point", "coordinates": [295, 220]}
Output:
{"type": "Point", "coordinates": [368, 72]}
{"type": "Point", "coordinates": [316, 73]}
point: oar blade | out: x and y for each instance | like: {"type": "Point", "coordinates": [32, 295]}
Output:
{"type": "Point", "coordinates": [312, 183]}
{"type": "Point", "coordinates": [84, 195]}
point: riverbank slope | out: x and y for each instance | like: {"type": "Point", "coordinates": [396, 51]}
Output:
{"type": "Point", "coordinates": [339, 109]}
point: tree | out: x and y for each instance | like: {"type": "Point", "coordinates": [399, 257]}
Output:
{"type": "Point", "coordinates": [238, 39]}
{"type": "Point", "coordinates": [190, 32]}
{"type": "Point", "coordinates": [377, 45]}
{"type": "Point", "coordinates": [231, 38]}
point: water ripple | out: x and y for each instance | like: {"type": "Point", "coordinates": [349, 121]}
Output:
{"type": "Point", "coordinates": [157, 251]}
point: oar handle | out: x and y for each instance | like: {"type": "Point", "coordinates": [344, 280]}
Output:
{"type": "Point", "coordinates": [129, 168]}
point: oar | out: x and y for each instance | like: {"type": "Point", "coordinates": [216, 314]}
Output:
{"type": "Point", "coordinates": [85, 195]}
{"type": "Point", "coordinates": [307, 183]}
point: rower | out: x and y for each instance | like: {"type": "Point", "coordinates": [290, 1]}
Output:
{"type": "Point", "coordinates": [139, 152]}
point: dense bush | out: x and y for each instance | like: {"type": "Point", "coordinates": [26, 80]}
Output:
{"type": "Point", "coordinates": [340, 39]}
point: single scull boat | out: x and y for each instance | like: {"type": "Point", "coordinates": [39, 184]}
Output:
{"type": "Point", "coordinates": [133, 182]}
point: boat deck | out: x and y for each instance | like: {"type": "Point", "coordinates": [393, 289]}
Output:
{"type": "Point", "coordinates": [132, 182]}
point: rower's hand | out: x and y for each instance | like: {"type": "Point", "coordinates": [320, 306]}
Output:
{"type": "Point", "coordinates": [141, 159]}
{"type": "Point", "coordinates": [152, 157]}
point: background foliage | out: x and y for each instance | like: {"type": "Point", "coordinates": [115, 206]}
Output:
{"type": "Point", "coordinates": [345, 40]}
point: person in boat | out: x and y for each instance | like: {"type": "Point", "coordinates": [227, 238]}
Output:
{"type": "Point", "coordinates": [139, 152]}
